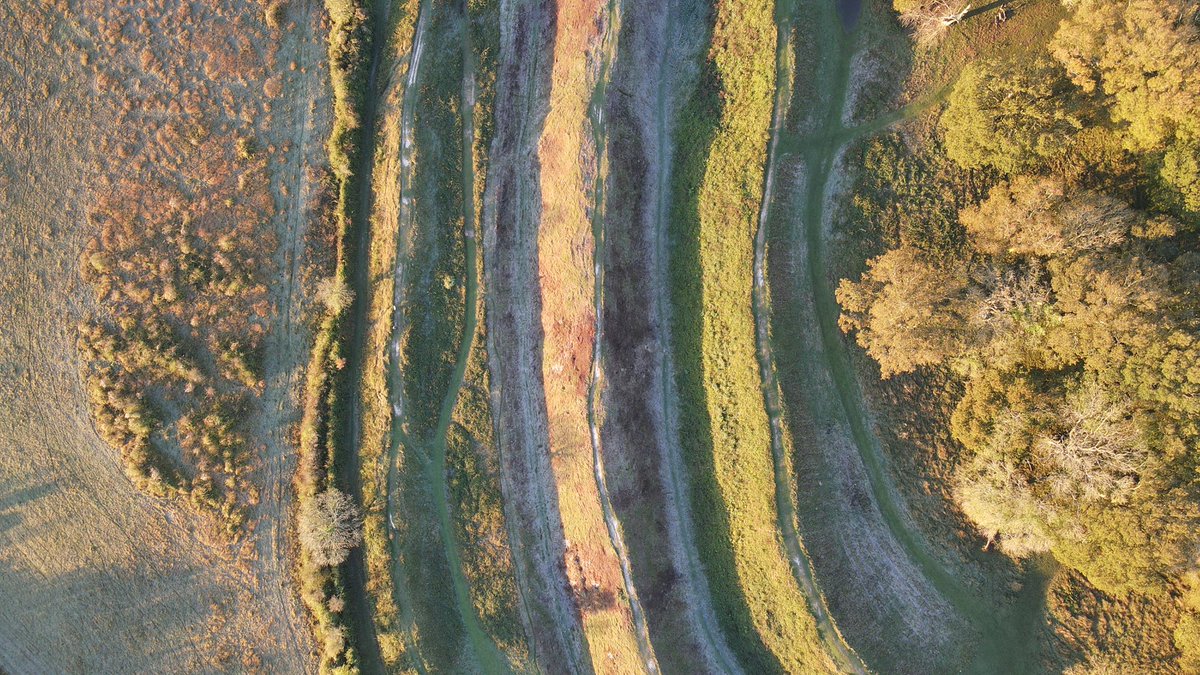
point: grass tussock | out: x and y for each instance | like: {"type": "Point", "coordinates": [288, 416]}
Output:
{"type": "Point", "coordinates": [179, 259]}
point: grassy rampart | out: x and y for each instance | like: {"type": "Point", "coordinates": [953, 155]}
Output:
{"type": "Point", "coordinates": [726, 438]}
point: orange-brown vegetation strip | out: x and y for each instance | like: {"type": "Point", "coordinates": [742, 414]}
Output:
{"type": "Point", "coordinates": [565, 263]}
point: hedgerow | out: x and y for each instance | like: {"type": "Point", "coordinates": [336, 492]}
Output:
{"type": "Point", "coordinates": [321, 439]}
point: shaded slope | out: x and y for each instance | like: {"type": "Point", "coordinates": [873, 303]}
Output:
{"type": "Point", "coordinates": [510, 216]}
{"type": "Point", "coordinates": [656, 64]}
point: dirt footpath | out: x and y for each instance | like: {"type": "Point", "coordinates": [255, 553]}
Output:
{"type": "Point", "coordinates": [301, 129]}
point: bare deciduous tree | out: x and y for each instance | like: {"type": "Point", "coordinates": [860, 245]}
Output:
{"type": "Point", "coordinates": [929, 21]}
{"type": "Point", "coordinates": [330, 526]}
{"type": "Point", "coordinates": [1100, 454]}
{"type": "Point", "coordinates": [335, 294]}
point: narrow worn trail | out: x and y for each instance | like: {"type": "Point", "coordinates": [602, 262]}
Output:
{"type": "Point", "coordinates": [611, 522]}
{"type": "Point", "coordinates": [842, 654]}
{"type": "Point", "coordinates": [488, 656]}
{"type": "Point", "coordinates": [401, 594]}
{"type": "Point", "coordinates": [509, 234]}
{"type": "Point", "coordinates": [674, 473]}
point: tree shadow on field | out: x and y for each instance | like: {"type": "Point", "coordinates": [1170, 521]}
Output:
{"type": "Point", "coordinates": [13, 498]}
{"type": "Point", "coordinates": [698, 123]}
{"type": "Point", "coordinates": [141, 616]}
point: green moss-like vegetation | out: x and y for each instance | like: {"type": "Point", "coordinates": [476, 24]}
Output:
{"type": "Point", "coordinates": [476, 503]}
{"type": "Point", "coordinates": [454, 613]}
{"type": "Point", "coordinates": [434, 311]}
{"type": "Point", "coordinates": [433, 316]}
{"type": "Point", "coordinates": [473, 463]}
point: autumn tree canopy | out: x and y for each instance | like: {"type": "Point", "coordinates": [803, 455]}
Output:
{"type": "Point", "coordinates": [1009, 115]}
{"type": "Point", "coordinates": [1082, 374]}
{"type": "Point", "coordinates": [1143, 57]}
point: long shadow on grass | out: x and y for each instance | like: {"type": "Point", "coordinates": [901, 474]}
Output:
{"type": "Point", "coordinates": [698, 124]}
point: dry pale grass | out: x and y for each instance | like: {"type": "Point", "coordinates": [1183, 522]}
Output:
{"type": "Point", "coordinates": [566, 266]}
{"type": "Point", "coordinates": [97, 99]}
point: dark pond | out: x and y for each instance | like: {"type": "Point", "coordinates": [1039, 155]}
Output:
{"type": "Point", "coordinates": [848, 11]}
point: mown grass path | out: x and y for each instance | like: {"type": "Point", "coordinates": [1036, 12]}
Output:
{"type": "Point", "coordinates": [830, 636]}
{"type": "Point", "coordinates": [1005, 638]}
{"type": "Point", "coordinates": [487, 655]}
{"type": "Point", "coordinates": [429, 455]}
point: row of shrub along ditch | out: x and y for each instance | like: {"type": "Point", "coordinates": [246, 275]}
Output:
{"type": "Point", "coordinates": [473, 462]}
{"type": "Point", "coordinates": [376, 411]}
{"type": "Point", "coordinates": [726, 439]}
{"type": "Point", "coordinates": [323, 588]}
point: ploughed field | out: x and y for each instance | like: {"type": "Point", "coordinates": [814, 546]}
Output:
{"type": "Point", "coordinates": [615, 336]}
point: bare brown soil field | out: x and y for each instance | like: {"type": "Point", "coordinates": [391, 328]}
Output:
{"type": "Point", "coordinates": [102, 576]}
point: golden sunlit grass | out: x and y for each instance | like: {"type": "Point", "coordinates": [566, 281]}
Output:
{"type": "Point", "coordinates": [565, 262]}
{"type": "Point", "coordinates": [725, 427]}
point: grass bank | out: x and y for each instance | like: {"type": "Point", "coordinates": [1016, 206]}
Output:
{"type": "Point", "coordinates": [726, 437]}
{"type": "Point", "coordinates": [571, 180]}
{"type": "Point", "coordinates": [472, 458]}
{"type": "Point", "coordinates": [881, 571]}
{"type": "Point", "coordinates": [438, 536]}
